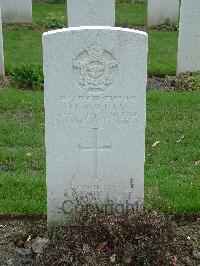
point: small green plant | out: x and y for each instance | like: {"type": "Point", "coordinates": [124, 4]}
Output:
{"type": "Point", "coordinates": [27, 77]}
{"type": "Point", "coordinates": [186, 82]}
{"type": "Point", "coordinates": [54, 22]}
{"type": "Point", "coordinates": [167, 26]}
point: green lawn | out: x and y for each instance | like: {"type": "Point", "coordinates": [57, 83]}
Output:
{"type": "Point", "coordinates": [126, 13]}
{"type": "Point", "coordinates": [172, 177]}
{"type": "Point", "coordinates": [41, 11]}
{"type": "Point", "coordinates": [162, 53]}
{"type": "Point", "coordinates": [22, 166]}
{"type": "Point", "coordinates": [172, 180]}
{"type": "Point", "coordinates": [22, 46]}
{"type": "Point", "coordinates": [26, 47]}
{"type": "Point", "coordinates": [131, 14]}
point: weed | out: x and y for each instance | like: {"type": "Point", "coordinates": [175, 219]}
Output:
{"type": "Point", "coordinates": [186, 82]}
{"type": "Point", "coordinates": [54, 22]}
{"type": "Point", "coordinates": [27, 77]}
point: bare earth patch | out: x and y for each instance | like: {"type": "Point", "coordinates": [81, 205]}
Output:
{"type": "Point", "coordinates": [23, 241]}
{"type": "Point", "coordinates": [159, 83]}
{"type": "Point", "coordinates": [5, 82]}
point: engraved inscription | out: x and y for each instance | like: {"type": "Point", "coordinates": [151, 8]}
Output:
{"type": "Point", "coordinates": [95, 148]}
{"type": "Point", "coordinates": [95, 69]}
{"type": "Point", "coordinates": [95, 110]}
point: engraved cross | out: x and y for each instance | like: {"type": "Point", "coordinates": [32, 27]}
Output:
{"type": "Point", "coordinates": [95, 149]}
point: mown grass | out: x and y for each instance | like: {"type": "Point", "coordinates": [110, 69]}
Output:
{"type": "Point", "coordinates": [41, 11]}
{"type": "Point", "coordinates": [22, 166]}
{"type": "Point", "coordinates": [171, 176]}
{"type": "Point", "coordinates": [22, 46]}
{"type": "Point", "coordinates": [126, 13]}
{"type": "Point", "coordinates": [25, 46]}
{"type": "Point", "coordinates": [131, 14]}
{"type": "Point", "coordinates": [163, 48]}
{"type": "Point", "coordinates": [173, 168]}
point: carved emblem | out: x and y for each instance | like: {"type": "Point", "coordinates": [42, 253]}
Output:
{"type": "Point", "coordinates": [95, 69]}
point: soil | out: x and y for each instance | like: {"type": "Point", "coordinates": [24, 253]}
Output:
{"type": "Point", "coordinates": [34, 26]}
{"type": "Point", "coordinates": [159, 83]}
{"type": "Point", "coordinates": [5, 82]}
{"type": "Point", "coordinates": [26, 26]}
{"type": "Point", "coordinates": [23, 240]}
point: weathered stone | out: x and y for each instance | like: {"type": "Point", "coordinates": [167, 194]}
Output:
{"type": "Point", "coordinates": [39, 245]}
{"type": "Point", "coordinates": [189, 37]}
{"type": "Point", "coordinates": [2, 70]}
{"type": "Point", "coordinates": [162, 11]}
{"type": "Point", "coordinates": [196, 254]}
{"type": "Point", "coordinates": [95, 98]}
{"type": "Point", "coordinates": [16, 11]}
{"type": "Point", "coordinates": [91, 13]}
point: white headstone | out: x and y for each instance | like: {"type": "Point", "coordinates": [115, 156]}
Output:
{"type": "Point", "coordinates": [91, 13]}
{"type": "Point", "coordinates": [162, 11]}
{"type": "Point", "coordinates": [2, 70]}
{"type": "Point", "coordinates": [16, 11]}
{"type": "Point", "coordinates": [95, 99]}
{"type": "Point", "coordinates": [189, 37]}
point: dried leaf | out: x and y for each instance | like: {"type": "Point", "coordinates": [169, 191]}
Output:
{"type": "Point", "coordinates": [197, 162]}
{"type": "Point", "coordinates": [101, 246]}
{"type": "Point", "coordinates": [156, 143]}
{"type": "Point", "coordinates": [28, 242]}
{"type": "Point", "coordinates": [29, 239]}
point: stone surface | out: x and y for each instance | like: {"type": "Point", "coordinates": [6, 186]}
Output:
{"type": "Point", "coordinates": [91, 13]}
{"type": "Point", "coordinates": [196, 254]}
{"type": "Point", "coordinates": [95, 99]}
{"type": "Point", "coordinates": [162, 11]}
{"type": "Point", "coordinates": [16, 11]}
{"type": "Point", "coordinates": [2, 70]}
{"type": "Point", "coordinates": [39, 245]}
{"type": "Point", "coordinates": [189, 37]}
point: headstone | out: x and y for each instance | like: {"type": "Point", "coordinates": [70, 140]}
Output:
{"type": "Point", "coordinates": [91, 13]}
{"type": "Point", "coordinates": [162, 11]}
{"type": "Point", "coordinates": [16, 11]}
{"type": "Point", "coordinates": [95, 98]}
{"type": "Point", "coordinates": [189, 37]}
{"type": "Point", "coordinates": [2, 70]}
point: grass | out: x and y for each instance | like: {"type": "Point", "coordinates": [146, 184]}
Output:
{"type": "Point", "coordinates": [131, 14]}
{"type": "Point", "coordinates": [126, 13]}
{"type": "Point", "coordinates": [22, 166]}
{"type": "Point", "coordinates": [171, 175]}
{"type": "Point", "coordinates": [42, 10]}
{"type": "Point", "coordinates": [162, 50]}
{"type": "Point", "coordinates": [22, 46]}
